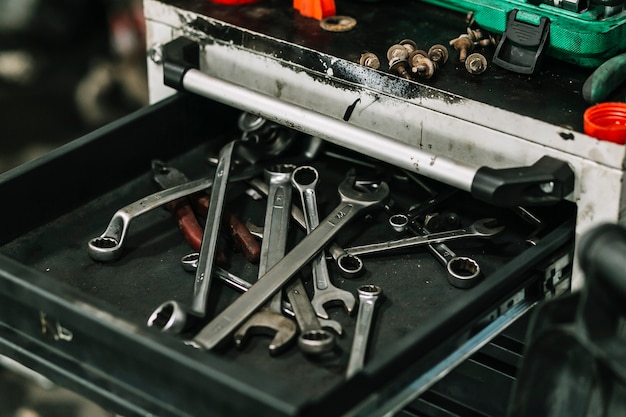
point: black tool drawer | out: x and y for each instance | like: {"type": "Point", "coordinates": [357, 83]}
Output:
{"type": "Point", "coordinates": [83, 323]}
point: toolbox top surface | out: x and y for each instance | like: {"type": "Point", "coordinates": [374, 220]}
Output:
{"type": "Point", "coordinates": [552, 95]}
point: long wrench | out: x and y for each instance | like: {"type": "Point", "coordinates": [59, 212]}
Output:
{"type": "Point", "coordinates": [478, 229]}
{"type": "Point", "coordinates": [189, 263]}
{"type": "Point", "coordinates": [305, 179]}
{"type": "Point", "coordinates": [368, 295]}
{"type": "Point", "coordinates": [273, 248]}
{"type": "Point", "coordinates": [352, 203]}
{"type": "Point", "coordinates": [350, 266]}
{"type": "Point", "coordinates": [172, 316]}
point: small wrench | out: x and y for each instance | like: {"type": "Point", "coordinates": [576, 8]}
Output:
{"type": "Point", "coordinates": [350, 266]}
{"type": "Point", "coordinates": [368, 295]}
{"type": "Point", "coordinates": [109, 246]}
{"type": "Point", "coordinates": [352, 203]}
{"type": "Point", "coordinates": [305, 179]}
{"type": "Point", "coordinates": [189, 263]}
{"type": "Point", "coordinates": [313, 339]}
{"type": "Point", "coordinates": [479, 229]}
{"type": "Point", "coordinates": [272, 250]}
{"type": "Point", "coordinates": [172, 316]}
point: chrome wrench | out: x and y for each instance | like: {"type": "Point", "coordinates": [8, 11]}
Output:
{"type": "Point", "coordinates": [478, 229]}
{"type": "Point", "coordinates": [305, 179]}
{"type": "Point", "coordinates": [313, 339]}
{"type": "Point", "coordinates": [172, 316]}
{"type": "Point", "coordinates": [273, 248]}
{"type": "Point", "coordinates": [352, 203]}
{"type": "Point", "coordinates": [189, 263]}
{"type": "Point", "coordinates": [368, 295]}
{"type": "Point", "coordinates": [350, 266]}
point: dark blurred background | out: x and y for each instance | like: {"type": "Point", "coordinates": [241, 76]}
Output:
{"type": "Point", "coordinates": [66, 68]}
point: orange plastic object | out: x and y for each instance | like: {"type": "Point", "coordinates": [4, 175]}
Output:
{"type": "Point", "coordinates": [317, 9]}
{"type": "Point", "coordinates": [233, 2]}
{"type": "Point", "coordinates": [606, 121]}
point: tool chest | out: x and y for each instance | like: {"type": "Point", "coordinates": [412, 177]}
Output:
{"type": "Point", "coordinates": [83, 323]}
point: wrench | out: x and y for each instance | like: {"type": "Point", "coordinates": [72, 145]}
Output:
{"type": "Point", "coordinates": [368, 295]}
{"type": "Point", "coordinates": [109, 246]}
{"type": "Point", "coordinates": [272, 250]}
{"type": "Point", "coordinates": [350, 266]}
{"type": "Point", "coordinates": [313, 339]}
{"type": "Point", "coordinates": [189, 263]}
{"type": "Point", "coordinates": [479, 229]}
{"type": "Point", "coordinates": [352, 203]}
{"type": "Point", "coordinates": [172, 316]}
{"type": "Point", "coordinates": [305, 179]}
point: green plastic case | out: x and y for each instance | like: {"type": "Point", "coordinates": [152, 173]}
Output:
{"type": "Point", "coordinates": [586, 38]}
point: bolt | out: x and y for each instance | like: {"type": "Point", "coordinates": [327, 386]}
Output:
{"type": "Point", "coordinates": [155, 53]}
{"type": "Point", "coordinates": [370, 60]}
{"type": "Point", "coordinates": [408, 44]}
{"type": "Point", "coordinates": [397, 56]}
{"type": "Point", "coordinates": [438, 54]}
{"type": "Point", "coordinates": [476, 63]}
{"type": "Point", "coordinates": [463, 44]}
{"type": "Point", "coordinates": [421, 64]}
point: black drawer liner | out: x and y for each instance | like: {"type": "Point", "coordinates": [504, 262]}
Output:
{"type": "Point", "coordinates": [72, 196]}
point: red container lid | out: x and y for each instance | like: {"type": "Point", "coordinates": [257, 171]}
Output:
{"type": "Point", "coordinates": [606, 121]}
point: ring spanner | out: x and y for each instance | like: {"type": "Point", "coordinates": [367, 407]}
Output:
{"type": "Point", "coordinates": [172, 316]}
{"type": "Point", "coordinates": [352, 203]}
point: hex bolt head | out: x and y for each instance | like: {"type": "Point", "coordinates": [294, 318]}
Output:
{"type": "Point", "coordinates": [476, 64]}
{"type": "Point", "coordinates": [397, 52]}
{"type": "Point", "coordinates": [464, 45]}
{"type": "Point", "coordinates": [438, 54]}
{"type": "Point", "coordinates": [369, 60]}
{"type": "Point", "coordinates": [408, 44]}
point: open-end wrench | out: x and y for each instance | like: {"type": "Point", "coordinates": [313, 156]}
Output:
{"type": "Point", "coordinates": [350, 266]}
{"type": "Point", "coordinates": [352, 203]}
{"type": "Point", "coordinates": [189, 263]}
{"type": "Point", "coordinates": [313, 339]}
{"type": "Point", "coordinates": [172, 316]}
{"type": "Point", "coordinates": [368, 295]}
{"type": "Point", "coordinates": [273, 248]}
{"type": "Point", "coordinates": [478, 229]}
{"type": "Point", "coordinates": [305, 179]}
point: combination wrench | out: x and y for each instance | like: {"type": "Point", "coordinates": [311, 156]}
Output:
{"type": "Point", "coordinates": [276, 227]}
{"type": "Point", "coordinates": [478, 229]}
{"type": "Point", "coordinates": [189, 263]}
{"type": "Point", "coordinates": [172, 316]}
{"type": "Point", "coordinates": [305, 179]}
{"type": "Point", "coordinates": [352, 203]}
{"type": "Point", "coordinates": [349, 266]}
{"type": "Point", "coordinates": [368, 295]}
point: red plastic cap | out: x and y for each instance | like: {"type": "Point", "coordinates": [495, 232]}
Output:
{"type": "Point", "coordinates": [606, 121]}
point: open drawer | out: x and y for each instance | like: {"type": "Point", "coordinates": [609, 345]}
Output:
{"type": "Point", "coordinates": [83, 323]}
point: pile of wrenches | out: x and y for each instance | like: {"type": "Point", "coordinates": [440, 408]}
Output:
{"type": "Point", "coordinates": [261, 305]}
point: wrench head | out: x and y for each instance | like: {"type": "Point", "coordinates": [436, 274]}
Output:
{"type": "Point", "coordinates": [364, 199]}
{"type": "Point", "coordinates": [333, 296]}
{"type": "Point", "coordinates": [315, 342]}
{"type": "Point", "coordinates": [350, 266]}
{"type": "Point", "coordinates": [264, 322]}
{"type": "Point", "coordinates": [304, 177]}
{"type": "Point", "coordinates": [485, 227]}
{"type": "Point", "coordinates": [104, 249]}
{"type": "Point", "coordinates": [170, 317]}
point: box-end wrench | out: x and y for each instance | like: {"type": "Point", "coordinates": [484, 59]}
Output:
{"type": "Point", "coordinates": [479, 229]}
{"type": "Point", "coordinates": [305, 179]}
{"type": "Point", "coordinates": [189, 263]}
{"type": "Point", "coordinates": [275, 229]}
{"type": "Point", "coordinates": [368, 295]}
{"type": "Point", "coordinates": [109, 246]}
{"type": "Point", "coordinates": [352, 203]}
{"type": "Point", "coordinates": [172, 316]}
{"type": "Point", "coordinates": [313, 340]}
{"type": "Point", "coordinates": [349, 266]}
